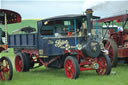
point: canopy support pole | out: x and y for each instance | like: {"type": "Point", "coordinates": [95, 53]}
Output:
{"type": "Point", "coordinates": [6, 33]}
{"type": "Point", "coordinates": [97, 31]}
{"type": "Point", "coordinates": [75, 34]}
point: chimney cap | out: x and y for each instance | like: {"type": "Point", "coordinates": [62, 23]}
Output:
{"type": "Point", "coordinates": [89, 11]}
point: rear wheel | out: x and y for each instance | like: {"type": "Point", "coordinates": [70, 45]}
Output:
{"type": "Point", "coordinates": [71, 67]}
{"type": "Point", "coordinates": [104, 65]}
{"type": "Point", "coordinates": [6, 69]}
{"type": "Point", "coordinates": [27, 66]}
{"type": "Point", "coordinates": [31, 63]}
{"type": "Point", "coordinates": [21, 62]}
{"type": "Point", "coordinates": [29, 60]}
{"type": "Point", "coordinates": [111, 46]}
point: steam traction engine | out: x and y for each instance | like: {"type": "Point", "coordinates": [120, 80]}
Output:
{"type": "Point", "coordinates": [61, 41]}
{"type": "Point", "coordinates": [117, 41]}
{"type": "Point", "coordinates": [6, 17]}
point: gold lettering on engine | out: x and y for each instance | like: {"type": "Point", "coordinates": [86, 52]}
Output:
{"type": "Point", "coordinates": [64, 44]}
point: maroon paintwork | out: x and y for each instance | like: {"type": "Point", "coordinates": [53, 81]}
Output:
{"type": "Point", "coordinates": [12, 17]}
{"type": "Point", "coordinates": [121, 37]}
{"type": "Point", "coordinates": [119, 18]}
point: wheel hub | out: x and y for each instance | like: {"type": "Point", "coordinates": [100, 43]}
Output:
{"type": "Point", "coordinates": [94, 49]}
{"type": "Point", "coordinates": [95, 65]}
{"type": "Point", "coordinates": [69, 68]}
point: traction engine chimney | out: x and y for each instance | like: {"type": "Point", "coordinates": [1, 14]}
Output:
{"type": "Point", "coordinates": [89, 21]}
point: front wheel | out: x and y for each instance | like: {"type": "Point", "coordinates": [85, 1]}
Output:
{"type": "Point", "coordinates": [6, 69]}
{"type": "Point", "coordinates": [71, 67]}
{"type": "Point", "coordinates": [104, 65]}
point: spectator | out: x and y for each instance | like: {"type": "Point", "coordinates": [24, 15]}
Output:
{"type": "Point", "coordinates": [120, 29]}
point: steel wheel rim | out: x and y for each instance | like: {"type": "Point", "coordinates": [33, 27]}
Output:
{"type": "Point", "coordinates": [5, 70]}
{"type": "Point", "coordinates": [109, 47]}
{"type": "Point", "coordinates": [102, 66]}
{"type": "Point", "coordinates": [69, 68]}
{"type": "Point", "coordinates": [18, 63]}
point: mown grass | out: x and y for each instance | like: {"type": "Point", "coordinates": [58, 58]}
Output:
{"type": "Point", "coordinates": [51, 76]}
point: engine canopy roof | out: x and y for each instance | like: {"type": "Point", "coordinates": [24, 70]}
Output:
{"type": "Point", "coordinates": [12, 17]}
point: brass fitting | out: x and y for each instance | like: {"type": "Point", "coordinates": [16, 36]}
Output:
{"type": "Point", "coordinates": [89, 11]}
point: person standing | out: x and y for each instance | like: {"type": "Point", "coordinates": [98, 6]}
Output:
{"type": "Point", "coordinates": [2, 34]}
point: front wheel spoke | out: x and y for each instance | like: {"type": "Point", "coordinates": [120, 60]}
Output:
{"type": "Point", "coordinates": [68, 62]}
{"type": "Point", "coordinates": [100, 70]}
{"type": "Point", "coordinates": [103, 66]}
{"type": "Point", "coordinates": [66, 65]}
{"type": "Point", "coordinates": [71, 74]}
{"type": "Point", "coordinates": [71, 65]}
{"type": "Point", "coordinates": [66, 71]}
{"type": "Point", "coordinates": [72, 70]}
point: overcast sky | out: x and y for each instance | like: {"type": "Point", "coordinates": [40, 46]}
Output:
{"type": "Point", "coordinates": [43, 8]}
{"type": "Point", "coordinates": [30, 9]}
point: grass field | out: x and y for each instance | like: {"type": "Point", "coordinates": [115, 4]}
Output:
{"type": "Point", "coordinates": [50, 76]}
